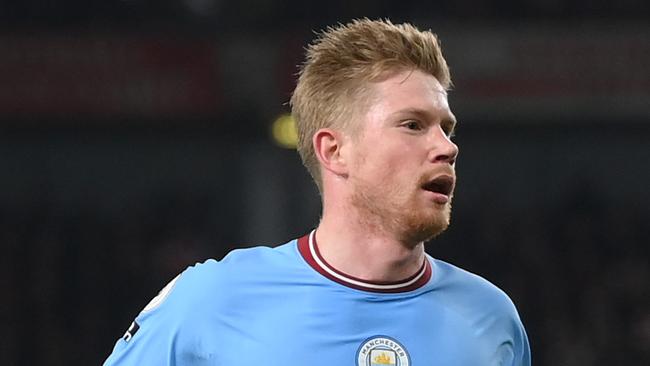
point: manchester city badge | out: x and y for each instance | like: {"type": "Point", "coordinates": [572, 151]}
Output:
{"type": "Point", "coordinates": [382, 351]}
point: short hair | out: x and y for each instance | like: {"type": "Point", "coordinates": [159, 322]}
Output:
{"type": "Point", "coordinates": [339, 65]}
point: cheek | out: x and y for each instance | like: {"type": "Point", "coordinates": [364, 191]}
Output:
{"type": "Point", "coordinates": [400, 160]}
{"type": "Point", "coordinates": [386, 160]}
{"type": "Point", "coordinates": [390, 173]}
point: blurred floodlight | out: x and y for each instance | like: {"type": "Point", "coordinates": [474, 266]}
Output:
{"type": "Point", "coordinates": [284, 132]}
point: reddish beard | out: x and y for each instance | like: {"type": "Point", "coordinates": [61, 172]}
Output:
{"type": "Point", "coordinates": [398, 212]}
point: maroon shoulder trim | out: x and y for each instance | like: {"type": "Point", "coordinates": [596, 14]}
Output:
{"type": "Point", "coordinates": [309, 250]}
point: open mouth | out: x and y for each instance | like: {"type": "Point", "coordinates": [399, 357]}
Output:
{"type": "Point", "coordinates": [443, 184]}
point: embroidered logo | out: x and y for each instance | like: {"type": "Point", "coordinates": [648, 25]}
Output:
{"type": "Point", "coordinates": [131, 331]}
{"type": "Point", "coordinates": [382, 351]}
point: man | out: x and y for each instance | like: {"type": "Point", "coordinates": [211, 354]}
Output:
{"type": "Point", "coordinates": [375, 133]}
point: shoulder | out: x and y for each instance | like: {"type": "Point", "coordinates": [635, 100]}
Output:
{"type": "Point", "coordinates": [259, 256]}
{"type": "Point", "coordinates": [205, 288]}
{"type": "Point", "coordinates": [240, 265]}
{"type": "Point", "coordinates": [472, 290]}
{"type": "Point", "coordinates": [484, 307]}
{"type": "Point", "coordinates": [190, 310]}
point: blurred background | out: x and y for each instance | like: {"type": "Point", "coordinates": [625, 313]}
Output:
{"type": "Point", "coordinates": [138, 137]}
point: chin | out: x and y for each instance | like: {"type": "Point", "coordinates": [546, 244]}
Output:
{"type": "Point", "coordinates": [421, 228]}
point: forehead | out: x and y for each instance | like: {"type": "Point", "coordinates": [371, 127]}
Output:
{"type": "Point", "coordinates": [410, 90]}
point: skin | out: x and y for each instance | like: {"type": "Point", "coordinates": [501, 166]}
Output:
{"type": "Point", "coordinates": [375, 207]}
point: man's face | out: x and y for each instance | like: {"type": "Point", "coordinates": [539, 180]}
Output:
{"type": "Point", "coordinates": [402, 158]}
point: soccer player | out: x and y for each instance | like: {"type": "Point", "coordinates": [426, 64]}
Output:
{"type": "Point", "coordinates": [375, 132]}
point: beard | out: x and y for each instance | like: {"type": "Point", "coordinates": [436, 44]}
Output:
{"type": "Point", "coordinates": [399, 212]}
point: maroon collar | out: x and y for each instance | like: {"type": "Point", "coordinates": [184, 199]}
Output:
{"type": "Point", "coordinates": [309, 251]}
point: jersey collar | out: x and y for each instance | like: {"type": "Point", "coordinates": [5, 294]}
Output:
{"type": "Point", "coordinates": [309, 251]}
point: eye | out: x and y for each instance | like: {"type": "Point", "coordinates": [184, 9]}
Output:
{"type": "Point", "coordinates": [412, 125]}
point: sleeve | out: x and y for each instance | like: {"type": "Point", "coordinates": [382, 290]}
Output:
{"type": "Point", "coordinates": [521, 347]}
{"type": "Point", "coordinates": [162, 333]}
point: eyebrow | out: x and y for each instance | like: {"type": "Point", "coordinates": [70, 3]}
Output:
{"type": "Point", "coordinates": [424, 114]}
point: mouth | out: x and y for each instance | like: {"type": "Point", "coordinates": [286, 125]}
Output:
{"type": "Point", "coordinates": [442, 186]}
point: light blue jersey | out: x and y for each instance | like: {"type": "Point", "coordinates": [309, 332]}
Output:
{"type": "Point", "coordinates": [287, 306]}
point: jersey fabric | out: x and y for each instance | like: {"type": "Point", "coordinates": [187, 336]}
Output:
{"type": "Point", "coordinates": [288, 306]}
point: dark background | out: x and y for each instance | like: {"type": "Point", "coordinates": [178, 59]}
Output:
{"type": "Point", "coordinates": [134, 141]}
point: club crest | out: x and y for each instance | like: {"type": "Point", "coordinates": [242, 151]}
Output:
{"type": "Point", "coordinates": [382, 351]}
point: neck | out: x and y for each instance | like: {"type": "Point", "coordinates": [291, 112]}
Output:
{"type": "Point", "coordinates": [345, 239]}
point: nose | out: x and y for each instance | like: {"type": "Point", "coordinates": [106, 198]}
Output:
{"type": "Point", "coordinates": [444, 150]}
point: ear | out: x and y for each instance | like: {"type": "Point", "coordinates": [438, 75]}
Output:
{"type": "Point", "coordinates": [328, 146]}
